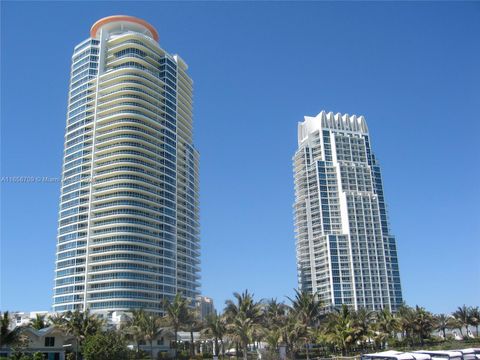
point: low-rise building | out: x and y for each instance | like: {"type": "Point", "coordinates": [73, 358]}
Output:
{"type": "Point", "coordinates": [51, 342]}
{"type": "Point", "coordinates": [23, 318]}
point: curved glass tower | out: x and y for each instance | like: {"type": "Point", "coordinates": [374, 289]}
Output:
{"type": "Point", "coordinates": [128, 225]}
{"type": "Point", "coordinates": [346, 253]}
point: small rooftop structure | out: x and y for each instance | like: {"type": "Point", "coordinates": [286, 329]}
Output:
{"type": "Point", "coordinates": [122, 22]}
{"type": "Point", "coordinates": [338, 121]}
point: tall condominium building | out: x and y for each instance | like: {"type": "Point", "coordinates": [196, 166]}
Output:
{"type": "Point", "coordinates": [204, 306]}
{"type": "Point", "coordinates": [345, 252]}
{"type": "Point", "coordinates": [128, 233]}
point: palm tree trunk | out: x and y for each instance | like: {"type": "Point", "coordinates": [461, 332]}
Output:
{"type": "Point", "coordinates": [215, 349]}
{"type": "Point", "coordinates": [245, 349]}
{"type": "Point", "coordinates": [176, 343]}
{"type": "Point", "coordinates": [192, 345]}
{"type": "Point", "coordinates": [77, 348]}
{"type": "Point", "coordinates": [151, 349]}
{"type": "Point", "coordinates": [306, 348]}
{"type": "Point", "coordinates": [444, 334]}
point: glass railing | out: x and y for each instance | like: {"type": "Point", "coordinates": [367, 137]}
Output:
{"type": "Point", "coordinates": [162, 122]}
{"type": "Point", "coordinates": [129, 88]}
{"type": "Point", "coordinates": [127, 79]}
{"type": "Point", "coordinates": [126, 136]}
{"type": "Point", "coordinates": [128, 76]}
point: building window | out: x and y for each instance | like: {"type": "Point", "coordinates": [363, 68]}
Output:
{"type": "Point", "coordinates": [49, 341]}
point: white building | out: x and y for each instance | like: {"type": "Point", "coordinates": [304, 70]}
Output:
{"type": "Point", "coordinates": [128, 231]}
{"type": "Point", "coordinates": [51, 342]}
{"type": "Point", "coordinates": [21, 318]}
{"type": "Point", "coordinates": [345, 251]}
{"type": "Point", "coordinates": [54, 342]}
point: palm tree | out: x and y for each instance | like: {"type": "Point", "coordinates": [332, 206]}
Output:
{"type": "Point", "coordinates": [142, 327]}
{"type": "Point", "coordinates": [340, 329]}
{"type": "Point", "coordinates": [301, 337]}
{"type": "Point", "coordinates": [363, 325]}
{"type": "Point", "coordinates": [474, 316]}
{"type": "Point", "coordinates": [289, 331]}
{"type": "Point", "coordinates": [405, 316]}
{"type": "Point", "coordinates": [245, 304]}
{"type": "Point", "coordinates": [242, 329]}
{"type": "Point", "coordinates": [8, 337]}
{"type": "Point", "coordinates": [151, 327]}
{"type": "Point", "coordinates": [243, 319]}
{"type": "Point", "coordinates": [58, 319]}
{"type": "Point", "coordinates": [423, 323]}
{"type": "Point", "coordinates": [306, 307]}
{"type": "Point", "coordinates": [274, 313]}
{"type": "Point", "coordinates": [442, 323]}
{"type": "Point", "coordinates": [39, 322]}
{"type": "Point", "coordinates": [80, 325]}
{"type": "Point", "coordinates": [386, 325]}
{"type": "Point", "coordinates": [194, 324]}
{"type": "Point", "coordinates": [216, 328]}
{"type": "Point", "coordinates": [463, 316]}
{"type": "Point", "coordinates": [176, 314]}
{"type": "Point", "coordinates": [134, 328]}
{"type": "Point", "coordinates": [274, 321]}
{"type": "Point", "coordinates": [272, 338]}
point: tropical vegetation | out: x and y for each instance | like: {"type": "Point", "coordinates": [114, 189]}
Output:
{"type": "Point", "coordinates": [302, 328]}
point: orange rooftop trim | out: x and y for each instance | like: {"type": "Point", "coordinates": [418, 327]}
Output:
{"type": "Point", "coordinates": [109, 19]}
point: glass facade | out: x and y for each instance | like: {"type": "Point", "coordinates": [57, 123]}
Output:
{"type": "Point", "coordinates": [128, 231]}
{"type": "Point", "coordinates": [345, 252]}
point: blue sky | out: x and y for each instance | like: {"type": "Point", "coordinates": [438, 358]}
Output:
{"type": "Point", "coordinates": [413, 69]}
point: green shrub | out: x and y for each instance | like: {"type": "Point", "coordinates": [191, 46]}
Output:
{"type": "Point", "coordinates": [183, 355]}
{"type": "Point", "coordinates": [163, 355]}
{"type": "Point", "coordinates": [106, 346]}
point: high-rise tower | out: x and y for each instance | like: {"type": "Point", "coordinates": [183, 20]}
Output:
{"type": "Point", "coordinates": [345, 252]}
{"type": "Point", "coordinates": [128, 225]}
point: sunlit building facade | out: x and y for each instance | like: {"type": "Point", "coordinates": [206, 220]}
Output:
{"type": "Point", "coordinates": [128, 233]}
{"type": "Point", "coordinates": [346, 253]}
{"type": "Point", "coordinates": [204, 306]}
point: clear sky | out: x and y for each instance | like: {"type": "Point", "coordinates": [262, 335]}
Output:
{"type": "Point", "coordinates": [413, 70]}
